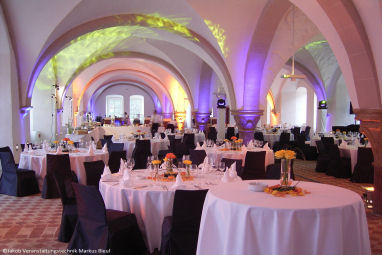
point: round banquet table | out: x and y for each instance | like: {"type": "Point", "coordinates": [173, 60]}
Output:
{"type": "Point", "coordinates": [351, 152]}
{"type": "Point", "coordinates": [150, 201]}
{"type": "Point", "coordinates": [330, 220]}
{"type": "Point", "coordinates": [199, 137]}
{"type": "Point", "coordinates": [272, 138]}
{"type": "Point", "coordinates": [156, 145]}
{"type": "Point", "coordinates": [36, 161]}
{"type": "Point", "coordinates": [218, 154]}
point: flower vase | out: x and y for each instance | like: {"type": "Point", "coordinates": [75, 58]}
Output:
{"type": "Point", "coordinates": [285, 172]}
{"type": "Point", "coordinates": [169, 165]}
{"type": "Point", "coordinates": [156, 171]}
{"type": "Point", "coordinates": [188, 170]}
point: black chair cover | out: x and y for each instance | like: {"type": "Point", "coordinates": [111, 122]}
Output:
{"type": "Point", "coordinates": [338, 167]}
{"type": "Point", "coordinates": [254, 167]}
{"type": "Point", "coordinates": [189, 141]}
{"type": "Point", "coordinates": [63, 179]}
{"type": "Point", "coordinates": [364, 169]}
{"type": "Point", "coordinates": [107, 137]}
{"type": "Point", "coordinates": [258, 136]}
{"type": "Point", "coordinates": [140, 153]}
{"type": "Point", "coordinates": [162, 135]}
{"type": "Point", "coordinates": [197, 156]}
{"type": "Point", "coordinates": [283, 143]}
{"type": "Point", "coordinates": [230, 132]}
{"type": "Point", "coordinates": [323, 158]}
{"type": "Point", "coordinates": [94, 170]}
{"type": "Point", "coordinates": [307, 133]}
{"type": "Point", "coordinates": [14, 181]}
{"type": "Point", "coordinates": [181, 230]}
{"type": "Point", "coordinates": [212, 134]}
{"type": "Point", "coordinates": [116, 147]}
{"type": "Point", "coordinates": [327, 141]}
{"type": "Point", "coordinates": [154, 128]}
{"type": "Point", "coordinates": [170, 126]}
{"type": "Point", "coordinates": [115, 160]}
{"type": "Point", "coordinates": [98, 228]}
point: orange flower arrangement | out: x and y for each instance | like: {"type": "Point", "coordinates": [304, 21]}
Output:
{"type": "Point", "coordinates": [66, 139]}
{"type": "Point", "coordinates": [278, 191]}
{"type": "Point", "coordinates": [170, 156]}
{"type": "Point", "coordinates": [233, 138]}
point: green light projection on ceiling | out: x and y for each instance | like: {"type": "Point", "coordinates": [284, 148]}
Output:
{"type": "Point", "coordinates": [312, 45]}
{"type": "Point", "coordinates": [219, 34]}
{"type": "Point", "coordinates": [89, 48]}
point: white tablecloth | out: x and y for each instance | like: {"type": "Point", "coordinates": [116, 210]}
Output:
{"type": "Point", "coordinates": [217, 155]}
{"type": "Point", "coordinates": [36, 161]}
{"type": "Point", "coordinates": [150, 201]}
{"type": "Point", "coordinates": [272, 138]}
{"type": "Point", "coordinates": [156, 146]}
{"type": "Point", "coordinates": [99, 132]}
{"type": "Point", "coordinates": [330, 220]}
{"type": "Point", "coordinates": [350, 152]}
{"type": "Point", "coordinates": [78, 138]}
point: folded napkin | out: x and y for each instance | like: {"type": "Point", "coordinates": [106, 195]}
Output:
{"type": "Point", "coordinates": [25, 148]}
{"type": "Point", "coordinates": [226, 177]}
{"type": "Point", "coordinates": [266, 147]}
{"type": "Point", "coordinates": [250, 144]}
{"type": "Point", "coordinates": [106, 171]}
{"type": "Point", "coordinates": [232, 171]}
{"type": "Point", "coordinates": [91, 149]}
{"type": "Point", "coordinates": [243, 148]}
{"type": "Point", "coordinates": [104, 148]}
{"type": "Point", "coordinates": [215, 148]}
{"type": "Point", "coordinates": [204, 164]}
{"type": "Point", "coordinates": [204, 146]}
{"type": "Point", "coordinates": [356, 143]}
{"type": "Point", "coordinates": [59, 150]}
{"type": "Point", "coordinates": [343, 145]}
{"type": "Point", "coordinates": [126, 178]}
{"type": "Point", "coordinates": [178, 182]}
{"type": "Point", "coordinates": [121, 166]}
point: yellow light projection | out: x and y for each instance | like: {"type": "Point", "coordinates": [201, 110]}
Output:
{"type": "Point", "coordinates": [219, 34]}
{"type": "Point", "coordinates": [180, 100]}
{"type": "Point", "coordinates": [274, 116]}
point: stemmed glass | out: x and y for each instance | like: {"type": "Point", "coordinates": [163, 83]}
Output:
{"type": "Point", "coordinates": [130, 164]}
{"type": "Point", "coordinates": [221, 166]}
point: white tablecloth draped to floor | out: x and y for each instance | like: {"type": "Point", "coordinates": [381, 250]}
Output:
{"type": "Point", "coordinates": [36, 161]}
{"type": "Point", "coordinates": [273, 138]}
{"type": "Point", "coordinates": [99, 132]}
{"type": "Point", "coordinates": [150, 201]}
{"type": "Point", "coordinates": [330, 220]}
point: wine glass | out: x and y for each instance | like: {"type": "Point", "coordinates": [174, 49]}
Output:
{"type": "Point", "coordinates": [130, 164]}
{"type": "Point", "coordinates": [221, 166]}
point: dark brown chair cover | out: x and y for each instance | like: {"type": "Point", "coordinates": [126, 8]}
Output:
{"type": "Point", "coordinates": [197, 156]}
{"type": "Point", "coordinates": [115, 160]}
{"type": "Point", "coordinates": [338, 167]}
{"type": "Point", "coordinates": [94, 170]}
{"type": "Point", "coordinates": [364, 169]}
{"type": "Point", "coordinates": [98, 228]}
{"type": "Point", "coordinates": [254, 167]}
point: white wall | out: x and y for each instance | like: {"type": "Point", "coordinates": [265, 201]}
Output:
{"type": "Point", "coordinates": [126, 91]}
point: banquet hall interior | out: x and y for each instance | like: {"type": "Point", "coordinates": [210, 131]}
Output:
{"type": "Point", "coordinates": [191, 126]}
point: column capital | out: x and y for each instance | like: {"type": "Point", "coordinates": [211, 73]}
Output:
{"type": "Point", "coordinates": [201, 119]}
{"type": "Point", "coordinates": [247, 121]}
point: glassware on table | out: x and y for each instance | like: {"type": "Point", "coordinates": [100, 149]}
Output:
{"type": "Point", "coordinates": [221, 166]}
{"type": "Point", "coordinates": [130, 164]}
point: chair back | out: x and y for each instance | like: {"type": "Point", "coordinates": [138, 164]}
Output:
{"type": "Point", "coordinates": [197, 156]}
{"type": "Point", "coordinates": [108, 137]}
{"type": "Point", "coordinates": [162, 135]}
{"type": "Point", "coordinates": [334, 152]}
{"type": "Point", "coordinates": [186, 215]}
{"type": "Point", "coordinates": [307, 132]}
{"type": "Point", "coordinates": [170, 126]}
{"type": "Point", "coordinates": [230, 132]}
{"type": "Point", "coordinates": [7, 149]}
{"type": "Point", "coordinates": [284, 138]}
{"type": "Point", "coordinates": [254, 167]}
{"type": "Point", "coordinates": [189, 140]}
{"type": "Point", "coordinates": [7, 162]}
{"type": "Point", "coordinates": [327, 140]}
{"type": "Point", "coordinates": [116, 147]}
{"type": "Point", "coordinates": [91, 214]}
{"type": "Point", "coordinates": [94, 170]}
{"type": "Point", "coordinates": [365, 155]}
{"type": "Point", "coordinates": [62, 176]}
{"type": "Point", "coordinates": [115, 160]}
{"type": "Point", "coordinates": [321, 148]}
{"type": "Point", "coordinates": [142, 146]}
{"type": "Point", "coordinates": [212, 134]}
{"type": "Point", "coordinates": [54, 163]}
{"type": "Point", "coordinates": [259, 136]}
{"type": "Point", "coordinates": [296, 131]}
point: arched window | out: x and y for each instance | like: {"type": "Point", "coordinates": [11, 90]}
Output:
{"type": "Point", "coordinates": [137, 108]}
{"type": "Point", "coordinates": [114, 105]}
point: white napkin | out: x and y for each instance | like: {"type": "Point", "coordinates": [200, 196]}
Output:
{"type": "Point", "coordinates": [59, 150]}
{"type": "Point", "coordinates": [356, 143]}
{"type": "Point", "coordinates": [30, 148]}
{"type": "Point", "coordinates": [121, 166]}
{"type": "Point", "coordinates": [106, 171]}
{"type": "Point", "coordinates": [368, 145]}
{"type": "Point", "coordinates": [178, 182]}
{"type": "Point", "coordinates": [25, 148]}
{"type": "Point", "coordinates": [343, 145]}
{"type": "Point", "coordinates": [232, 171]}
{"type": "Point", "coordinates": [126, 178]}
{"type": "Point", "coordinates": [250, 144]}
{"type": "Point", "coordinates": [91, 149]}
{"type": "Point", "coordinates": [104, 148]}
{"type": "Point", "coordinates": [215, 148]}
{"type": "Point", "coordinates": [226, 177]}
{"type": "Point", "coordinates": [205, 162]}
{"type": "Point", "coordinates": [198, 147]}
{"type": "Point", "coordinates": [243, 148]}
{"type": "Point", "coordinates": [204, 146]}
{"type": "Point", "coordinates": [266, 147]}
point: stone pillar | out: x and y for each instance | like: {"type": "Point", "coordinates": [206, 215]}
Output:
{"type": "Point", "coordinates": [247, 121]}
{"type": "Point", "coordinates": [201, 119]}
{"type": "Point", "coordinates": [321, 120]}
{"type": "Point", "coordinates": [167, 115]}
{"type": "Point", "coordinates": [371, 126]}
{"type": "Point", "coordinates": [220, 127]}
{"type": "Point", "coordinates": [180, 117]}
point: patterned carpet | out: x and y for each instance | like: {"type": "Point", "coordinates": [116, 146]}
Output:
{"type": "Point", "coordinates": [32, 222]}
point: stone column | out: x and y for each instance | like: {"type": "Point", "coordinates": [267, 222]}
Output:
{"type": "Point", "coordinates": [247, 121]}
{"type": "Point", "coordinates": [167, 115]}
{"type": "Point", "coordinates": [321, 120]}
{"type": "Point", "coordinates": [371, 126]}
{"type": "Point", "coordinates": [201, 119]}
